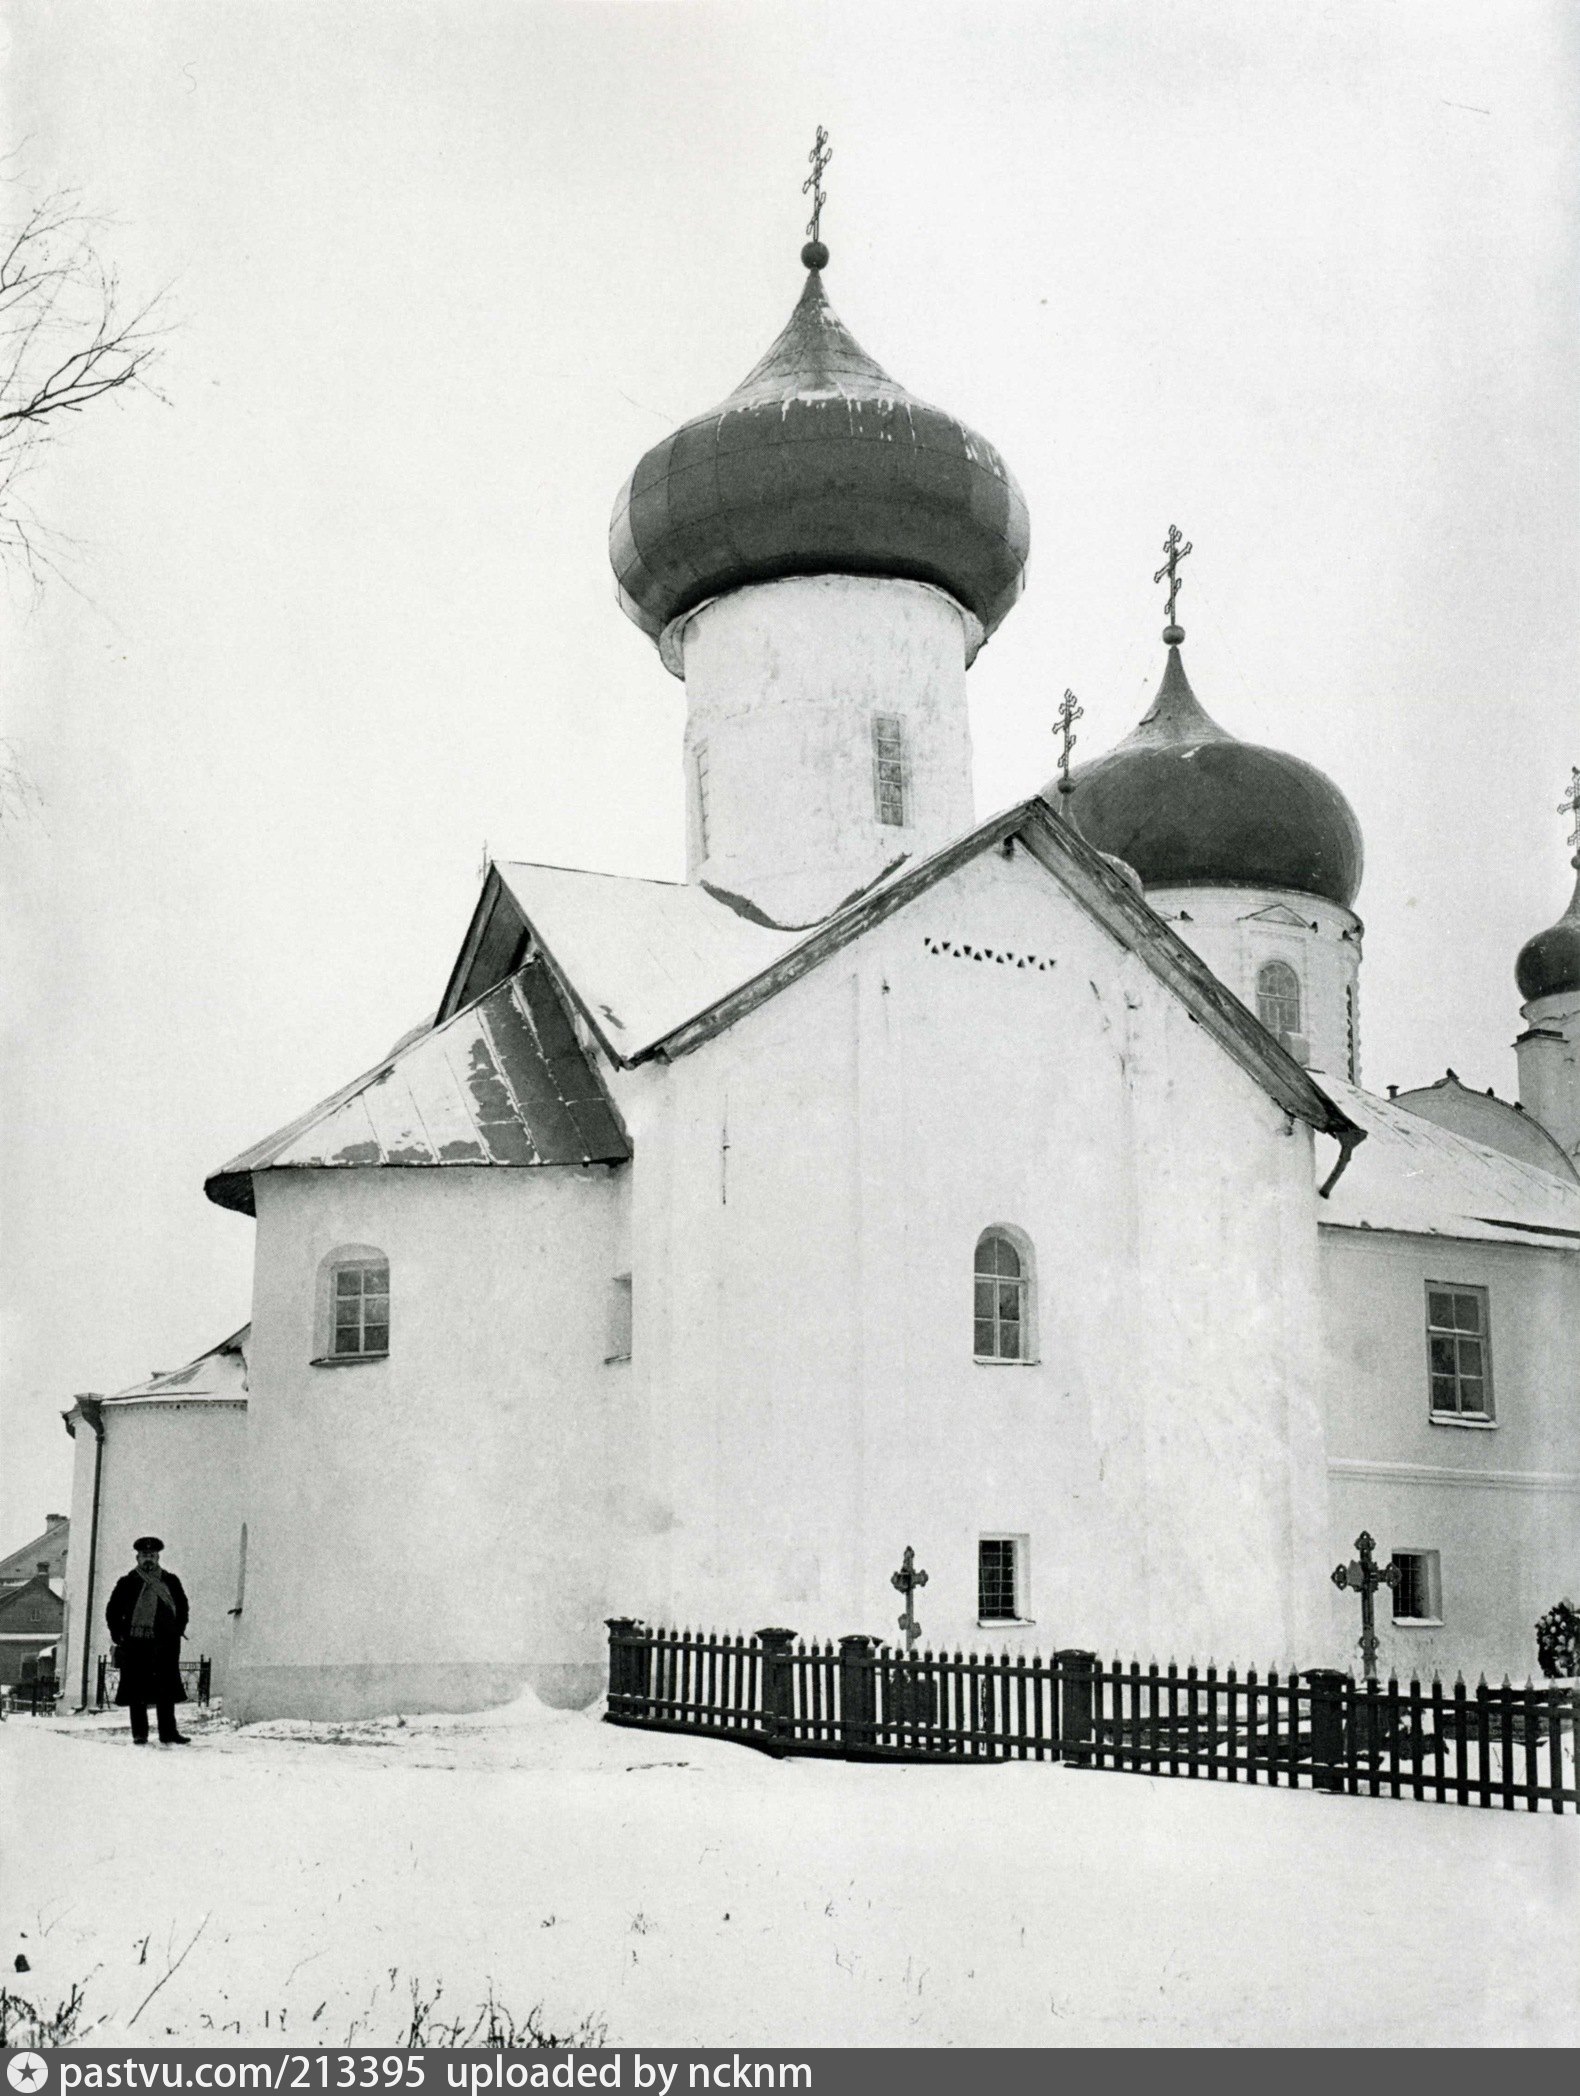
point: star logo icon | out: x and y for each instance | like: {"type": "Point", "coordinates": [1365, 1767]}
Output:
{"type": "Point", "coordinates": [27, 2071]}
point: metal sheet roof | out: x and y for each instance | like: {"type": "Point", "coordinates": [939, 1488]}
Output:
{"type": "Point", "coordinates": [219, 1373]}
{"type": "Point", "coordinates": [643, 956]}
{"type": "Point", "coordinates": [1413, 1175]}
{"type": "Point", "coordinates": [503, 1082]}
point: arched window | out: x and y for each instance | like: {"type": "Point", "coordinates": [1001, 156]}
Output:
{"type": "Point", "coordinates": [1002, 1298]}
{"type": "Point", "coordinates": [1278, 997]}
{"type": "Point", "coordinates": [353, 1310]}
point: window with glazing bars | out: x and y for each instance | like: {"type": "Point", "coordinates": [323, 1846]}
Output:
{"type": "Point", "coordinates": [1416, 1591]}
{"type": "Point", "coordinates": [996, 1599]}
{"type": "Point", "coordinates": [1000, 1300]}
{"type": "Point", "coordinates": [1278, 997]}
{"type": "Point", "coordinates": [362, 1310]}
{"type": "Point", "coordinates": [1459, 1353]}
{"type": "Point", "coordinates": [888, 768]}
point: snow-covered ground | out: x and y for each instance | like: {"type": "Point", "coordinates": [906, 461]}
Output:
{"type": "Point", "coordinates": [301, 1880]}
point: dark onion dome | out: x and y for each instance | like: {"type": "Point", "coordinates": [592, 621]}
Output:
{"type": "Point", "coordinates": [1549, 964]}
{"type": "Point", "coordinates": [1189, 805]}
{"type": "Point", "coordinates": [817, 464]}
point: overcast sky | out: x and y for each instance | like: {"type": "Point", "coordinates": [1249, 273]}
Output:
{"type": "Point", "coordinates": [1301, 278]}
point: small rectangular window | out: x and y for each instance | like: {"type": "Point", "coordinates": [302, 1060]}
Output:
{"type": "Point", "coordinates": [888, 768]}
{"type": "Point", "coordinates": [1000, 1584]}
{"type": "Point", "coordinates": [619, 1319]}
{"type": "Point", "coordinates": [1458, 1351]}
{"type": "Point", "coordinates": [1417, 1594]}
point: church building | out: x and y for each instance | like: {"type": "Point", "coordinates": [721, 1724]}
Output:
{"type": "Point", "coordinates": [1000, 1186]}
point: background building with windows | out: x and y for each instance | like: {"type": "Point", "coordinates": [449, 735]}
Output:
{"type": "Point", "coordinates": [1004, 1187]}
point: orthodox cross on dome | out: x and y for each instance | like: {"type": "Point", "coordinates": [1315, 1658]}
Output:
{"type": "Point", "coordinates": [815, 254]}
{"type": "Point", "coordinates": [906, 1581]}
{"type": "Point", "coordinates": [1174, 553]}
{"type": "Point", "coordinates": [1064, 727]}
{"type": "Point", "coordinates": [1365, 1576]}
{"type": "Point", "coordinates": [1570, 804]}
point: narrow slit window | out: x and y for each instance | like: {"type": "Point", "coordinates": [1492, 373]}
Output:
{"type": "Point", "coordinates": [1459, 1351]}
{"type": "Point", "coordinates": [997, 1584]}
{"type": "Point", "coordinates": [699, 774]}
{"type": "Point", "coordinates": [889, 769]}
{"type": "Point", "coordinates": [619, 1319]}
{"type": "Point", "coordinates": [1278, 997]}
{"type": "Point", "coordinates": [362, 1310]}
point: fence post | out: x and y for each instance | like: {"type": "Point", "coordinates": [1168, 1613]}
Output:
{"type": "Point", "coordinates": [205, 1680]}
{"type": "Point", "coordinates": [630, 1667]}
{"type": "Point", "coordinates": [858, 1691]}
{"type": "Point", "coordinates": [1077, 1683]}
{"type": "Point", "coordinates": [778, 1683]}
{"type": "Point", "coordinates": [101, 1692]}
{"type": "Point", "coordinates": [1326, 1686]}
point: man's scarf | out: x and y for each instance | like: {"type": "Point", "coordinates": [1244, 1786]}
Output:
{"type": "Point", "coordinates": [154, 1591]}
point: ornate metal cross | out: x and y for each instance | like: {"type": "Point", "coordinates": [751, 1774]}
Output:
{"type": "Point", "coordinates": [1175, 553]}
{"type": "Point", "coordinates": [906, 1581]}
{"type": "Point", "coordinates": [820, 156]}
{"type": "Point", "coordinates": [1064, 727]}
{"type": "Point", "coordinates": [1365, 1576]}
{"type": "Point", "coordinates": [1570, 804]}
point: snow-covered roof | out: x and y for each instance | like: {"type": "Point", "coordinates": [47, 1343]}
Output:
{"type": "Point", "coordinates": [1413, 1175]}
{"type": "Point", "coordinates": [502, 1082]}
{"type": "Point", "coordinates": [220, 1373]}
{"type": "Point", "coordinates": [645, 956]}
{"type": "Point", "coordinates": [656, 968]}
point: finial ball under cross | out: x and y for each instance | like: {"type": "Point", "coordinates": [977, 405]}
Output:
{"type": "Point", "coordinates": [815, 255]}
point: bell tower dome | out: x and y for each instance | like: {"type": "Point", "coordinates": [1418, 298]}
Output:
{"type": "Point", "coordinates": [820, 557]}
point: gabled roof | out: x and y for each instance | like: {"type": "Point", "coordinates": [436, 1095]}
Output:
{"type": "Point", "coordinates": [11, 1596]}
{"type": "Point", "coordinates": [1420, 1178]}
{"type": "Point", "coordinates": [22, 1564]}
{"type": "Point", "coordinates": [656, 969]}
{"type": "Point", "coordinates": [502, 1082]}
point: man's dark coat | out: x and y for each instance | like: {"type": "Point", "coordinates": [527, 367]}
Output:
{"type": "Point", "coordinates": [150, 1667]}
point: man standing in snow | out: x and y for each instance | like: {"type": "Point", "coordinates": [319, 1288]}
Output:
{"type": "Point", "coordinates": [147, 1615]}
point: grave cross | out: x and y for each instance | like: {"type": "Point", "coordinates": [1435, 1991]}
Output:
{"type": "Point", "coordinates": [1570, 804]}
{"type": "Point", "coordinates": [906, 1581]}
{"type": "Point", "coordinates": [1064, 726]}
{"type": "Point", "coordinates": [820, 156]}
{"type": "Point", "coordinates": [1365, 1576]}
{"type": "Point", "coordinates": [1174, 553]}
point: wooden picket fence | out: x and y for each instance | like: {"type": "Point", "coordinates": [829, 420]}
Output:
{"type": "Point", "coordinates": [1497, 1747]}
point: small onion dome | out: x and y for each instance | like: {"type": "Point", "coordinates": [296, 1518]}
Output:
{"type": "Point", "coordinates": [1189, 805]}
{"type": "Point", "coordinates": [1549, 964]}
{"type": "Point", "coordinates": [817, 464]}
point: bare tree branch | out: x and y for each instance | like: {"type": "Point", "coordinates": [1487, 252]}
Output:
{"type": "Point", "coordinates": [67, 339]}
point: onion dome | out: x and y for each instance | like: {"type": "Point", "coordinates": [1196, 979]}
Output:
{"type": "Point", "coordinates": [1187, 804]}
{"type": "Point", "coordinates": [818, 463]}
{"type": "Point", "coordinates": [1549, 964]}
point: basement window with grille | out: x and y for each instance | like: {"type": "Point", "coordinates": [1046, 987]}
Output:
{"type": "Point", "coordinates": [1418, 1594]}
{"type": "Point", "coordinates": [1001, 1580]}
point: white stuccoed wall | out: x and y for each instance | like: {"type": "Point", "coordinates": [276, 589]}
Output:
{"type": "Point", "coordinates": [809, 1192]}
{"type": "Point", "coordinates": [430, 1532]}
{"type": "Point", "coordinates": [173, 1470]}
{"type": "Point", "coordinates": [1500, 1504]}
{"type": "Point", "coordinates": [1236, 930]}
{"type": "Point", "coordinates": [1549, 1060]}
{"type": "Point", "coordinates": [782, 682]}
